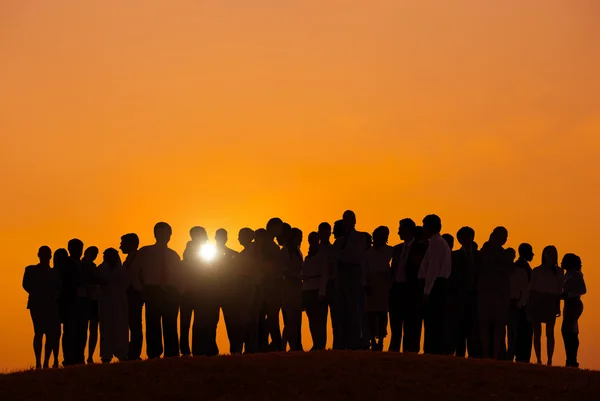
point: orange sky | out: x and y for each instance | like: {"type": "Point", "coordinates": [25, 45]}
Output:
{"type": "Point", "coordinates": [116, 114]}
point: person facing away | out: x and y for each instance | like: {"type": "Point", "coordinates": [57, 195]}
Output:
{"type": "Point", "coordinates": [314, 287]}
{"type": "Point", "coordinates": [113, 307]}
{"type": "Point", "coordinates": [377, 279]}
{"type": "Point", "coordinates": [89, 271]}
{"type": "Point", "coordinates": [135, 303]}
{"type": "Point", "coordinates": [519, 292]}
{"type": "Point", "coordinates": [42, 283]}
{"type": "Point", "coordinates": [61, 266]}
{"type": "Point", "coordinates": [461, 321]}
{"type": "Point", "coordinates": [229, 292]}
{"type": "Point", "coordinates": [544, 301]}
{"type": "Point", "coordinates": [493, 290]}
{"type": "Point", "coordinates": [193, 299]}
{"type": "Point", "coordinates": [573, 289]}
{"type": "Point", "coordinates": [449, 240]}
{"type": "Point", "coordinates": [77, 303]}
{"type": "Point", "coordinates": [435, 270]}
{"type": "Point", "coordinates": [525, 327]}
{"type": "Point", "coordinates": [351, 264]}
{"type": "Point", "coordinates": [292, 298]}
{"type": "Point", "coordinates": [156, 273]}
{"type": "Point", "coordinates": [247, 303]}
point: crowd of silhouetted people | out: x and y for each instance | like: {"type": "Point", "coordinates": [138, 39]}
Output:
{"type": "Point", "coordinates": [484, 303]}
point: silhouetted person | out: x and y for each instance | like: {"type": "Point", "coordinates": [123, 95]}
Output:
{"type": "Point", "coordinates": [314, 287]}
{"type": "Point", "coordinates": [333, 254]}
{"type": "Point", "coordinates": [42, 283]}
{"type": "Point", "coordinates": [230, 287]}
{"type": "Point", "coordinates": [259, 307]}
{"type": "Point", "coordinates": [156, 272]}
{"type": "Point", "coordinates": [77, 303]}
{"type": "Point", "coordinates": [435, 270]}
{"type": "Point", "coordinates": [525, 327]}
{"type": "Point", "coordinates": [61, 265]}
{"type": "Point", "coordinates": [135, 303]}
{"type": "Point", "coordinates": [270, 260]}
{"type": "Point", "coordinates": [462, 330]}
{"type": "Point", "coordinates": [292, 297]}
{"type": "Point", "coordinates": [349, 282]}
{"type": "Point", "coordinates": [493, 291]}
{"type": "Point", "coordinates": [282, 239]}
{"type": "Point", "coordinates": [573, 289]}
{"type": "Point", "coordinates": [519, 292]}
{"type": "Point", "coordinates": [113, 307]}
{"type": "Point", "coordinates": [193, 272]}
{"type": "Point", "coordinates": [89, 271]}
{"type": "Point", "coordinates": [449, 240]}
{"type": "Point", "coordinates": [377, 278]}
{"type": "Point", "coordinates": [544, 300]}
{"type": "Point", "coordinates": [248, 304]}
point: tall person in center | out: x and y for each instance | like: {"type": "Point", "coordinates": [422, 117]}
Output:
{"type": "Point", "coordinates": [435, 270]}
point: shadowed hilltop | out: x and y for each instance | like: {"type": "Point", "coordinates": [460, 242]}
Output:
{"type": "Point", "coordinates": [328, 375]}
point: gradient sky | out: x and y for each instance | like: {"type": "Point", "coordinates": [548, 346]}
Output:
{"type": "Point", "coordinates": [117, 114]}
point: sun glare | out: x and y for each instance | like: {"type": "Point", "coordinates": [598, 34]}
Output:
{"type": "Point", "coordinates": [208, 252]}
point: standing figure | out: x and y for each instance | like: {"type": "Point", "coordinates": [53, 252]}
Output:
{"type": "Point", "coordinates": [157, 274]}
{"type": "Point", "coordinates": [573, 289]}
{"type": "Point", "coordinates": [113, 307]}
{"type": "Point", "coordinates": [493, 290]}
{"type": "Point", "coordinates": [435, 270]}
{"type": "Point", "coordinates": [292, 297]}
{"type": "Point", "coordinates": [544, 300]}
{"type": "Point", "coordinates": [333, 255]}
{"type": "Point", "coordinates": [89, 272]}
{"type": "Point", "coordinates": [228, 295]}
{"type": "Point", "coordinates": [247, 301]}
{"type": "Point", "coordinates": [351, 264]}
{"type": "Point", "coordinates": [525, 328]}
{"type": "Point", "coordinates": [519, 292]}
{"type": "Point", "coordinates": [314, 287]}
{"type": "Point", "coordinates": [42, 283]}
{"type": "Point", "coordinates": [377, 279]}
{"type": "Point", "coordinates": [135, 303]}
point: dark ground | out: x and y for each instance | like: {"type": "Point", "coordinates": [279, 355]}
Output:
{"type": "Point", "coordinates": [305, 376]}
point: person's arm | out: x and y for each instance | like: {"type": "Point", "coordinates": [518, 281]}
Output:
{"type": "Point", "coordinates": [27, 280]}
{"type": "Point", "coordinates": [524, 287]}
{"type": "Point", "coordinates": [428, 270]}
{"type": "Point", "coordinates": [136, 271]}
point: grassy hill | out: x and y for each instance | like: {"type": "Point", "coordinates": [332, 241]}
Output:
{"type": "Point", "coordinates": [305, 376]}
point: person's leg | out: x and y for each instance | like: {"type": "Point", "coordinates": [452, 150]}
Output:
{"type": "Point", "coordinates": [170, 311]}
{"type": "Point", "coordinates": [154, 341]}
{"type": "Point", "coordinates": [294, 319]}
{"type": "Point", "coordinates": [513, 330]}
{"type": "Point", "coordinates": [342, 283]}
{"type": "Point", "coordinates": [550, 340]}
{"type": "Point", "coordinates": [273, 304]}
{"type": "Point", "coordinates": [321, 319]}
{"type": "Point", "coordinates": [82, 328]}
{"type": "Point", "coordinates": [537, 341]}
{"type": "Point", "coordinates": [484, 333]}
{"type": "Point", "coordinates": [498, 340]}
{"type": "Point", "coordinates": [135, 306]}
{"type": "Point", "coordinates": [330, 299]}
{"type": "Point", "coordinates": [395, 306]}
{"type": "Point", "coordinates": [93, 339]}
{"type": "Point", "coordinates": [185, 321]}
{"type": "Point", "coordinates": [309, 302]}
{"type": "Point", "coordinates": [354, 315]}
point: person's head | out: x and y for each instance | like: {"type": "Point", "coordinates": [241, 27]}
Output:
{"type": "Point", "coordinates": [221, 237]}
{"type": "Point", "coordinates": [162, 233]}
{"type": "Point", "coordinates": [91, 253]}
{"type": "Point", "coordinates": [449, 240]}
{"type": "Point", "coordinates": [338, 229]}
{"type": "Point", "coordinates": [261, 236]}
{"type": "Point", "coordinates": [313, 241]}
{"type": "Point", "coordinates": [406, 229]}
{"type": "Point", "coordinates": [246, 236]}
{"type": "Point", "coordinates": [380, 236]}
{"type": "Point", "coordinates": [112, 258]}
{"type": "Point", "coordinates": [432, 225]}
{"type": "Point", "coordinates": [61, 257]}
{"type": "Point", "coordinates": [75, 247]}
{"type": "Point", "coordinates": [511, 254]}
{"type": "Point", "coordinates": [284, 234]}
{"type": "Point", "coordinates": [295, 238]}
{"type": "Point", "coordinates": [129, 243]}
{"type": "Point", "coordinates": [349, 219]}
{"type": "Point", "coordinates": [526, 252]}
{"type": "Point", "coordinates": [199, 234]}
{"type": "Point", "coordinates": [571, 262]}
{"type": "Point", "coordinates": [550, 256]}
{"type": "Point", "coordinates": [465, 237]}
{"type": "Point", "coordinates": [499, 236]}
{"type": "Point", "coordinates": [324, 232]}
{"type": "Point", "coordinates": [45, 255]}
{"type": "Point", "coordinates": [274, 227]}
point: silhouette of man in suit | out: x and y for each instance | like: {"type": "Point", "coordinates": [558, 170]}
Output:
{"type": "Point", "coordinates": [525, 326]}
{"type": "Point", "coordinates": [135, 303]}
{"type": "Point", "coordinates": [157, 273]}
